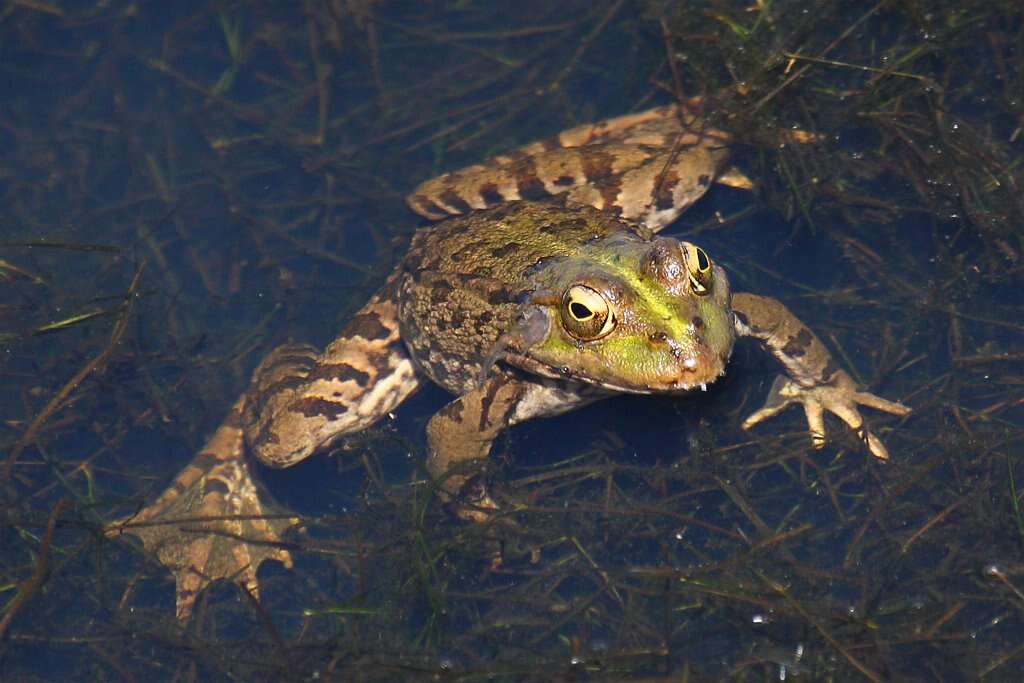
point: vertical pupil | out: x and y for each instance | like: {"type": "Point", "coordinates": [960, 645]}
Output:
{"type": "Point", "coordinates": [579, 311]}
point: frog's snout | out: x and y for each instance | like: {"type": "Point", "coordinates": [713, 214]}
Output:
{"type": "Point", "coordinates": [689, 368]}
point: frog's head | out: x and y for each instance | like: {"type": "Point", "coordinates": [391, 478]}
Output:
{"type": "Point", "coordinates": [630, 315]}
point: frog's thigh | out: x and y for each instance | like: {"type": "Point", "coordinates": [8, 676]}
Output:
{"type": "Point", "coordinates": [300, 401]}
{"type": "Point", "coordinates": [655, 185]}
{"type": "Point", "coordinates": [463, 430]}
{"type": "Point", "coordinates": [648, 166]}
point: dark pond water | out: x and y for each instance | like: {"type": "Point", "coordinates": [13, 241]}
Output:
{"type": "Point", "coordinates": [185, 186]}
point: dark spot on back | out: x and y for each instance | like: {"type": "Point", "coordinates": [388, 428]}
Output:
{"type": "Point", "coordinates": [502, 295]}
{"type": "Point", "coordinates": [505, 250]}
{"type": "Point", "coordinates": [440, 291]}
{"type": "Point", "coordinates": [501, 210]}
{"type": "Point", "coordinates": [465, 251]}
{"type": "Point", "coordinates": [576, 224]}
{"type": "Point", "coordinates": [537, 265]}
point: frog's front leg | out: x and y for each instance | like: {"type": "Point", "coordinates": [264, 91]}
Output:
{"type": "Point", "coordinates": [461, 433]}
{"type": "Point", "coordinates": [812, 376]}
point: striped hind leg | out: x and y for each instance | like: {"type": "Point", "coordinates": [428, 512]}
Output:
{"type": "Point", "coordinates": [301, 401]}
{"type": "Point", "coordinates": [215, 521]}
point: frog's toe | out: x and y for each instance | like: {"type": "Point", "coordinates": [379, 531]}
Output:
{"type": "Point", "coordinates": [868, 399]}
{"type": "Point", "coordinates": [213, 522]}
{"type": "Point", "coordinates": [815, 423]}
{"type": "Point", "coordinates": [784, 392]}
{"type": "Point", "coordinates": [842, 399]}
{"type": "Point", "coordinates": [844, 406]}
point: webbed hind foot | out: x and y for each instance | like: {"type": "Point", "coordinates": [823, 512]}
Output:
{"type": "Point", "coordinates": [214, 521]}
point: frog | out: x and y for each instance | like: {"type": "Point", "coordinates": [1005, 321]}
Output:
{"type": "Point", "coordinates": [543, 286]}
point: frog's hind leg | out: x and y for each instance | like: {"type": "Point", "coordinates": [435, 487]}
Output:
{"type": "Point", "coordinates": [647, 167]}
{"type": "Point", "coordinates": [302, 401]}
{"type": "Point", "coordinates": [214, 521]}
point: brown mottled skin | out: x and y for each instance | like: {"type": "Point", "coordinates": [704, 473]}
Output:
{"type": "Point", "coordinates": [521, 309]}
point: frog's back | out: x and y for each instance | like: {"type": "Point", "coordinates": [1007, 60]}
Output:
{"type": "Point", "coordinates": [503, 243]}
{"type": "Point", "coordinates": [463, 279]}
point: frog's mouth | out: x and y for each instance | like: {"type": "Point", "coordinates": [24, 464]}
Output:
{"type": "Point", "coordinates": [691, 375]}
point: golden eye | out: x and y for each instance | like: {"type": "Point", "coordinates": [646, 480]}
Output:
{"type": "Point", "coordinates": [699, 269]}
{"type": "Point", "coordinates": [586, 314]}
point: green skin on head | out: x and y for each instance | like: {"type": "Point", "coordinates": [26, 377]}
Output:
{"type": "Point", "coordinates": [662, 336]}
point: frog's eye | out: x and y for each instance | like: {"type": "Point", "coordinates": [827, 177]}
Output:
{"type": "Point", "coordinates": [699, 269]}
{"type": "Point", "coordinates": [586, 314]}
